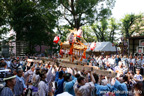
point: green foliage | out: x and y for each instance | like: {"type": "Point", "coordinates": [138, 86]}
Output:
{"type": "Point", "coordinates": [32, 23]}
{"type": "Point", "coordinates": [132, 24]}
{"type": "Point", "coordinates": [63, 31]}
{"type": "Point", "coordinates": [113, 27]}
{"type": "Point", "coordinates": [3, 19]}
{"type": "Point", "coordinates": [80, 12]}
{"type": "Point", "coordinates": [105, 30]}
{"type": "Point", "coordinates": [3, 13]}
{"type": "Point", "coordinates": [88, 34]}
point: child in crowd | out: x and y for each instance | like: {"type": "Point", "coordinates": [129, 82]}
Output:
{"type": "Point", "coordinates": [138, 76]}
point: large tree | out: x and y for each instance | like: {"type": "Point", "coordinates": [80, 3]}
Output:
{"type": "Point", "coordinates": [105, 29]}
{"type": "Point", "coordinates": [32, 22]}
{"type": "Point", "coordinates": [132, 24]}
{"type": "Point", "coordinates": [100, 30]}
{"type": "Point", "coordinates": [80, 12]}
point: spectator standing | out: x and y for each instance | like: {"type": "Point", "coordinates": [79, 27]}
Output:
{"type": "Point", "coordinates": [130, 62]}
{"type": "Point", "coordinates": [117, 59]}
{"type": "Point", "coordinates": [8, 90]}
{"type": "Point", "coordinates": [42, 86]}
{"type": "Point", "coordinates": [20, 84]}
{"type": "Point", "coordinates": [69, 81]}
{"type": "Point", "coordinates": [138, 76]}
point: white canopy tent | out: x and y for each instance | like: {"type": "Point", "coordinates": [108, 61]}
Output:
{"type": "Point", "coordinates": [102, 47]}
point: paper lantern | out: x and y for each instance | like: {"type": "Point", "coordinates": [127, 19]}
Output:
{"type": "Point", "coordinates": [79, 32]}
{"type": "Point", "coordinates": [56, 39]}
{"type": "Point", "coordinates": [92, 46]}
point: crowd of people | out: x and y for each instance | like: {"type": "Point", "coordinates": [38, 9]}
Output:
{"type": "Point", "coordinates": [20, 77]}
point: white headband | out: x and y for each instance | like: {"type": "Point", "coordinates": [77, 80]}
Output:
{"type": "Point", "coordinates": [9, 77]}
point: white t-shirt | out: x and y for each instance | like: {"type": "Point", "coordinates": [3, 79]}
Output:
{"type": "Point", "coordinates": [111, 61]}
{"type": "Point", "coordinates": [138, 77]}
{"type": "Point", "coordinates": [106, 60]}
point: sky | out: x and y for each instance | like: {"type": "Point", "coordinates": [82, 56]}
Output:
{"type": "Point", "coordinates": [123, 7]}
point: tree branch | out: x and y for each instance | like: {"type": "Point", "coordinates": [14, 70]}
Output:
{"type": "Point", "coordinates": [69, 21]}
{"type": "Point", "coordinates": [87, 9]}
{"type": "Point", "coordinates": [59, 31]}
{"type": "Point", "coordinates": [72, 7]}
{"type": "Point", "coordinates": [96, 33]}
{"type": "Point", "coordinates": [132, 32]}
{"type": "Point", "coordinates": [101, 33]}
{"type": "Point", "coordinates": [99, 29]}
{"type": "Point", "coordinates": [65, 7]}
{"type": "Point", "coordinates": [132, 21]}
{"type": "Point", "coordinates": [84, 23]}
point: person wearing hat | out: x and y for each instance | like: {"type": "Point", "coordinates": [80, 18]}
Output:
{"type": "Point", "coordinates": [8, 90]}
{"type": "Point", "coordinates": [138, 77]}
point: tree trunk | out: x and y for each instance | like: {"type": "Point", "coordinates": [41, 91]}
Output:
{"type": "Point", "coordinates": [77, 25]}
{"type": "Point", "coordinates": [127, 33]}
{"type": "Point", "coordinates": [102, 38]}
{"type": "Point", "coordinates": [113, 36]}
